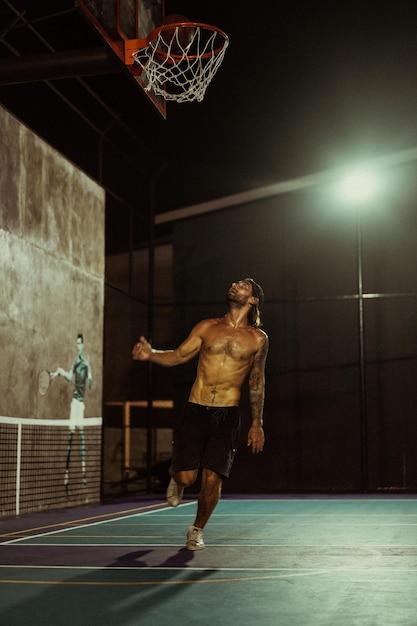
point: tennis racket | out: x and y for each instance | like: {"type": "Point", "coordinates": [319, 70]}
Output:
{"type": "Point", "coordinates": [44, 380]}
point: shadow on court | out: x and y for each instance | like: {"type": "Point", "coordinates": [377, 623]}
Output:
{"type": "Point", "coordinates": [122, 594]}
{"type": "Point", "coordinates": [134, 559]}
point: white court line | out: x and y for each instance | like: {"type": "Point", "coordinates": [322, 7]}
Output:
{"type": "Point", "coordinates": [69, 528]}
{"type": "Point", "coordinates": [77, 527]}
{"type": "Point", "coordinates": [215, 520]}
{"type": "Point", "coordinates": [320, 545]}
{"type": "Point", "coordinates": [179, 568]}
{"type": "Point", "coordinates": [328, 498]}
{"type": "Point", "coordinates": [343, 514]}
{"type": "Point", "coordinates": [239, 575]}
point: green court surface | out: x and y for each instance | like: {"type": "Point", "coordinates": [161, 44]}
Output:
{"type": "Point", "coordinates": [296, 561]}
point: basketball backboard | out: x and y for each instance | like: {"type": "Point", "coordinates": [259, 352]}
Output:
{"type": "Point", "coordinates": [121, 22]}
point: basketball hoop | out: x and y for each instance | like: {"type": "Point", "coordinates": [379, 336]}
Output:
{"type": "Point", "coordinates": [180, 59]}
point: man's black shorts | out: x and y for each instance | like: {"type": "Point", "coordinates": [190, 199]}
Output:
{"type": "Point", "coordinates": [206, 437]}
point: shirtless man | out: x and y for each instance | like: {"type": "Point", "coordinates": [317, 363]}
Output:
{"type": "Point", "coordinates": [230, 349]}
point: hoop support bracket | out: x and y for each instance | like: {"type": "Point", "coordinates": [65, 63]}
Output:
{"type": "Point", "coordinates": [130, 46]}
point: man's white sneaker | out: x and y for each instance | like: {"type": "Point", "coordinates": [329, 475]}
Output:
{"type": "Point", "coordinates": [174, 493]}
{"type": "Point", "coordinates": [195, 539]}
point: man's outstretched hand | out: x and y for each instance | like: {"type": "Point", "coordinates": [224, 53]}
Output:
{"type": "Point", "coordinates": [142, 350]}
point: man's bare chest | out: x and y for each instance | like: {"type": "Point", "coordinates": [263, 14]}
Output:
{"type": "Point", "coordinates": [238, 345]}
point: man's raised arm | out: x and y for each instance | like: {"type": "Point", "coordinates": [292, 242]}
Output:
{"type": "Point", "coordinates": [187, 350]}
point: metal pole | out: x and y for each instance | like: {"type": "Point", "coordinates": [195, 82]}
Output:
{"type": "Point", "coordinates": [151, 314]}
{"type": "Point", "coordinates": [126, 444]}
{"type": "Point", "coordinates": [362, 364]}
{"type": "Point", "coordinates": [151, 283]}
{"type": "Point", "coordinates": [59, 65]}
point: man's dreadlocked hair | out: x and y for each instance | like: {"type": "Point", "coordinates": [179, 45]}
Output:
{"type": "Point", "coordinates": [254, 315]}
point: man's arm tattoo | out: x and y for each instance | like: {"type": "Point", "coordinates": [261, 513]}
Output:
{"type": "Point", "coordinates": [257, 384]}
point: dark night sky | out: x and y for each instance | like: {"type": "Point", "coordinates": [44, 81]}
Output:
{"type": "Point", "coordinates": [305, 86]}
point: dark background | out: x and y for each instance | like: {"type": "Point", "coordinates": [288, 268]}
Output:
{"type": "Point", "coordinates": [305, 86]}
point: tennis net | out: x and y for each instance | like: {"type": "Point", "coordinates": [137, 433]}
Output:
{"type": "Point", "coordinates": [33, 463]}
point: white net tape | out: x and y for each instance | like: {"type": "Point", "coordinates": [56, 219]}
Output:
{"type": "Point", "coordinates": [180, 61]}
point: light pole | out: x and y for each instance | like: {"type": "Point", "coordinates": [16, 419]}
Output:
{"type": "Point", "coordinates": [357, 188]}
{"type": "Point", "coordinates": [363, 413]}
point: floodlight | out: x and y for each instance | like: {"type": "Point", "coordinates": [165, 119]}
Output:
{"type": "Point", "coordinates": [358, 186]}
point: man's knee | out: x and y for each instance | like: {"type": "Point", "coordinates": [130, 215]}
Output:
{"type": "Point", "coordinates": [210, 479]}
{"type": "Point", "coordinates": [185, 478]}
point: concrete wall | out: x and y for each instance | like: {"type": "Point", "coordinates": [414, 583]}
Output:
{"type": "Point", "coordinates": [52, 268]}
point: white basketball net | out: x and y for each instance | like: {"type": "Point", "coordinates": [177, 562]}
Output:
{"type": "Point", "coordinates": [180, 66]}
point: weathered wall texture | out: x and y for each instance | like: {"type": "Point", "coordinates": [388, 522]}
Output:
{"type": "Point", "coordinates": [52, 268]}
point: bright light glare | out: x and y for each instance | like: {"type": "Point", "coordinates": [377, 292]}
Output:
{"type": "Point", "coordinates": [359, 186]}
